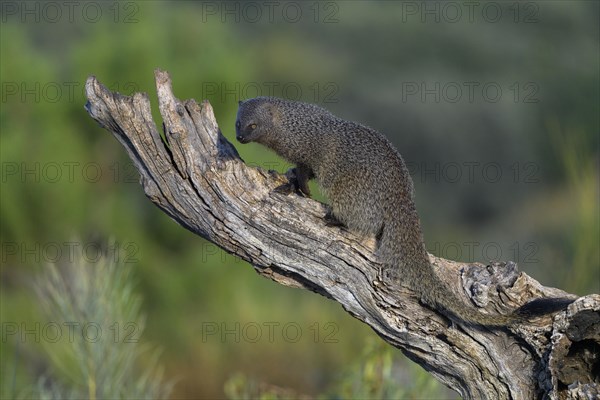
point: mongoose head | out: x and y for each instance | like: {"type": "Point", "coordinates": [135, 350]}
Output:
{"type": "Point", "coordinates": [254, 120]}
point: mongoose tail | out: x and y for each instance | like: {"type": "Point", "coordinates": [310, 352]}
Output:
{"type": "Point", "coordinates": [407, 256]}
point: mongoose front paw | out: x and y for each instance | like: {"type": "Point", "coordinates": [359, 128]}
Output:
{"type": "Point", "coordinates": [286, 188]}
{"type": "Point", "coordinates": [299, 180]}
{"type": "Point", "coordinates": [296, 183]}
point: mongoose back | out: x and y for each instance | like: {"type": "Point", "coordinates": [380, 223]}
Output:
{"type": "Point", "coordinates": [367, 184]}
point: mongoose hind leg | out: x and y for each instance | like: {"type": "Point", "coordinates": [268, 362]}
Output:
{"type": "Point", "coordinates": [331, 220]}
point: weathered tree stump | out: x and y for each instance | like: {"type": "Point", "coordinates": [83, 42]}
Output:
{"type": "Point", "coordinates": [198, 178]}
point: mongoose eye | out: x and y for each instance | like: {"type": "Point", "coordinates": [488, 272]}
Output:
{"type": "Point", "coordinates": [253, 126]}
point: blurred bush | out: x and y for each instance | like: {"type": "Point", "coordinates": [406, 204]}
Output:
{"type": "Point", "coordinates": [89, 335]}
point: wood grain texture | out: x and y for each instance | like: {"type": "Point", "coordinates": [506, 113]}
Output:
{"type": "Point", "coordinates": [197, 177]}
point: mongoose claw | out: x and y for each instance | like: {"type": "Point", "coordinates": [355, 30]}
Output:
{"type": "Point", "coordinates": [303, 191]}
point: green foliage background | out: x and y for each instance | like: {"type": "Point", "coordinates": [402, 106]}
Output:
{"type": "Point", "coordinates": [358, 59]}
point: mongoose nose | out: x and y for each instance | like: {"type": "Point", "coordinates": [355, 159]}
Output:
{"type": "Point", "coordinates": [240, 139]}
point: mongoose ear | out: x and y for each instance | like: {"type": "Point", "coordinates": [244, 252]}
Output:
{"type": "Point", "coordinates": [240, 102]}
